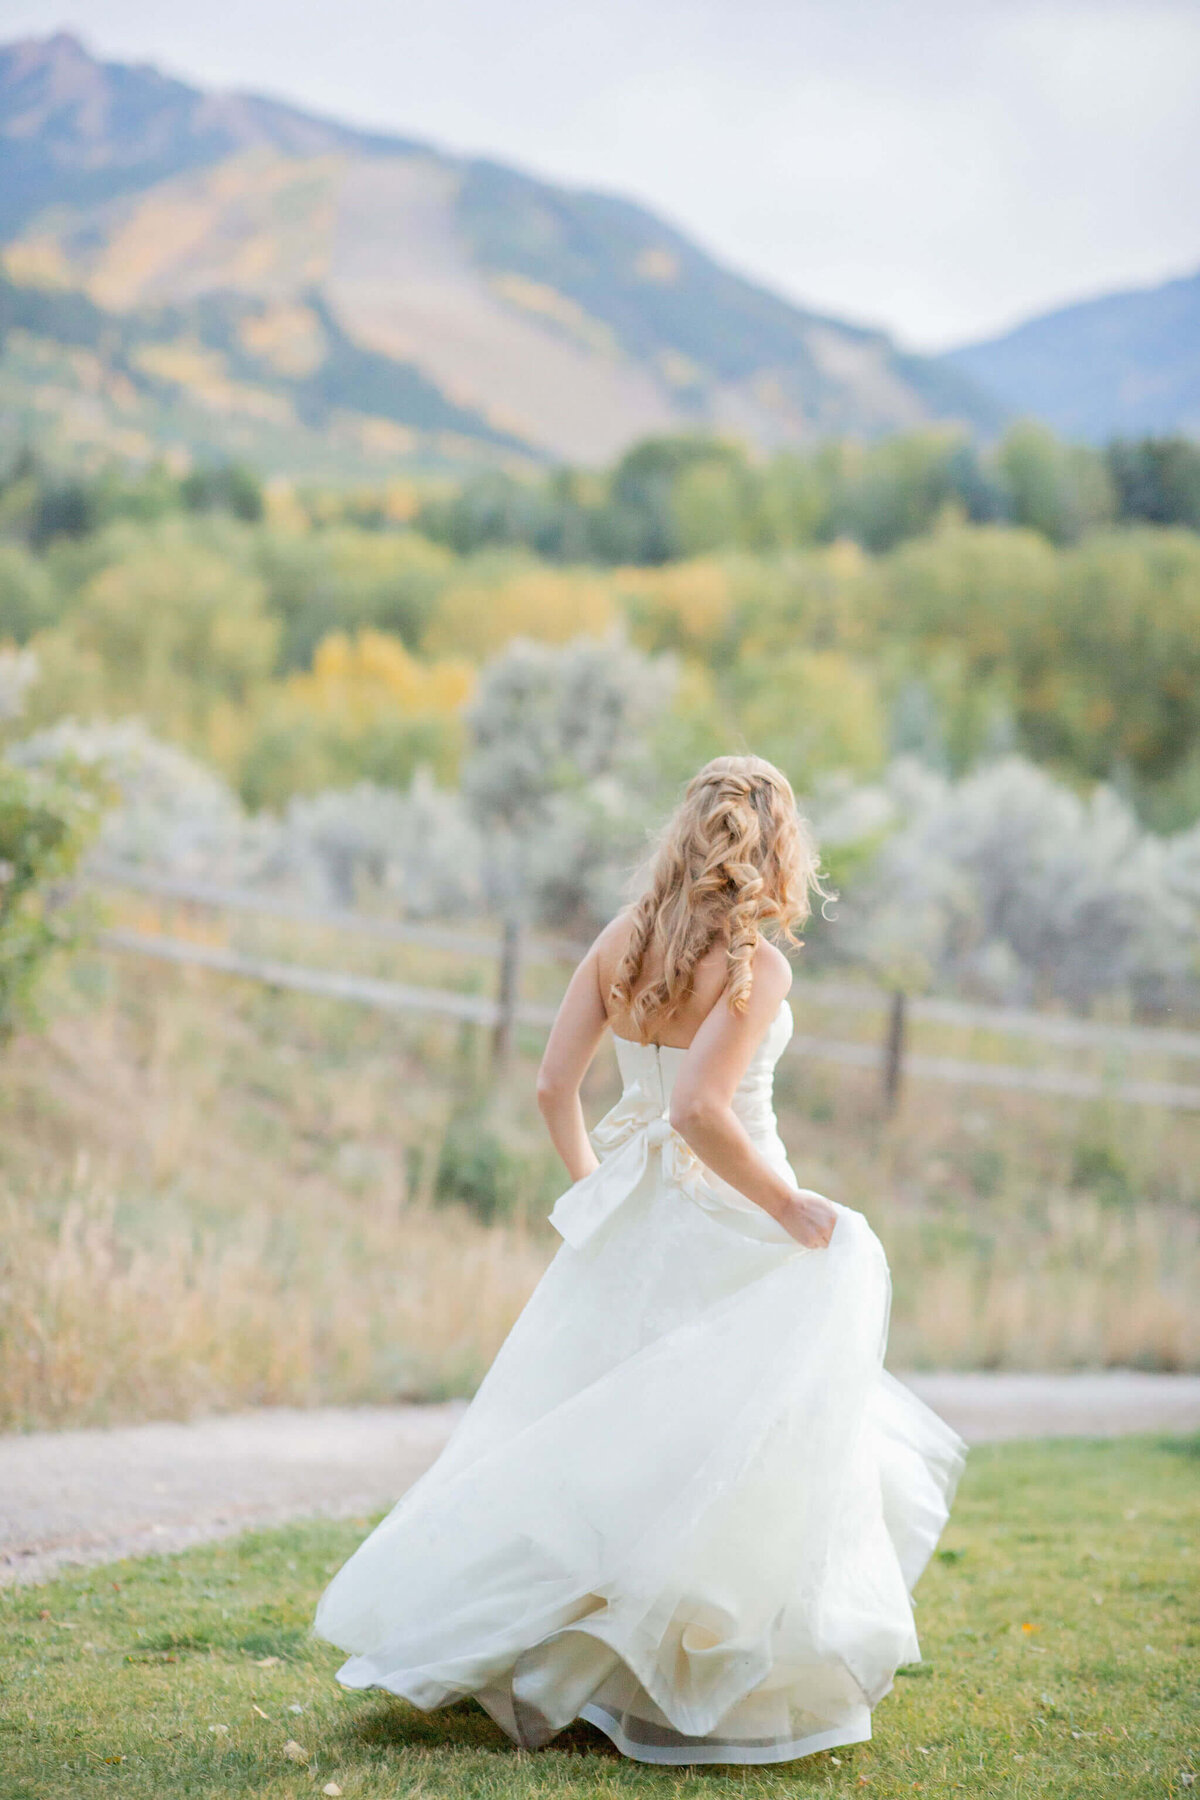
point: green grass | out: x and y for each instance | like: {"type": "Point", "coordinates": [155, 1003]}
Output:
{"type": "Point", "coordinates": [1058, 1628]}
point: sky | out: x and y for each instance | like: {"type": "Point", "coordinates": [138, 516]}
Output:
{"type": "Point", "coordinates": [943, 168]}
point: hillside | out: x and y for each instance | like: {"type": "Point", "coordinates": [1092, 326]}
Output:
{"type": "Point", "coordinates": [1125, 365]}
{"type": "Point", "coordinates": [226, 272]}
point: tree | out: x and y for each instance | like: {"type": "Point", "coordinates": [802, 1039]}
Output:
{"type": "Point", "coordinates": [228, 487]}
{"type": "Point", "coordinates": [368, 709]}
{"type": "Point", "coordinates": [712, 505]}
{"type": "Point", "coordinates": [416, 848]}
{"type": "Point", "coordinates": [413, 847]}
{"type": "Point", "coordinates": [166, 808]}
{"type": "Point", "coordinates": [898, 488]}
{"type": "Point", "coordinates": [1157, 480]}
{"type": "Point", "coordinates": [176, 627]}
{"type": "Point", "coordinates": [1061, 490]}
{"type": "Point", "coordinates": [63, 509]}
{"type": "Point", "coordinates": [18, 672]}
{"type": "Point", "coordinates": [28, 601]}
{"type": "Point", "coordinates": [684, 606]}
{"type": "Point", "coordinates": [559, 778]}
{"type": "Point", "coordinates": [811, 711]}
{"type": "Point", "coordinates": [1109, 682]}
{"type": "Point", "coordinates": [347, 579]}
{"type": "Point", "coordinates": [644, 520]}
{"type": "Point", "coordinates": [477, 618]}
{"type": "Point", "coordinates": [1011, 885]}
{"type": "Point", "coordinates": [47, 818]}
{"type": "Point", "coordinates": [45, 823]}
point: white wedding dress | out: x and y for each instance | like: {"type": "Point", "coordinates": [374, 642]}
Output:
{"type": "Point", "coordinates": [687, 1503]}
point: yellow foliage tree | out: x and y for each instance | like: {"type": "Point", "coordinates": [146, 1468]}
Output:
{"type": "Point", "coordinates": [550, 605]}
{"type": "Point", "coordinates": [811, 711]}
{"type": "Point", "coordinates": [356, 678]}
{"type": "Point", "coordinates": [683, 606]}
{"type": "Point", "coordinates": [171, 631]}
{"type": "Point", "coordinates": [367, 709]}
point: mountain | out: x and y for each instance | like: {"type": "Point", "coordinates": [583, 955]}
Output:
{"type": "Point", "coordinates": [77, 131]}
{"type": "Point", "coordinates": [224, 272]}
{"type": "Point", "coordinates": [1125, 365]}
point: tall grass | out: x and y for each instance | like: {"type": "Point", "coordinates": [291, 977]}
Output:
{"type": "Point", "coordinates": [103, 1320]}
{"type": "Point", "coordinates": [214, 1196]}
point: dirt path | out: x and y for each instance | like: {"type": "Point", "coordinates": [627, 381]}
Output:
{"type": "Point", "coordinates": [95, 1496]}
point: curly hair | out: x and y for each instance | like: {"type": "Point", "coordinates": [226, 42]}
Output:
{"type": "Point", "coordinates": [735, 857]}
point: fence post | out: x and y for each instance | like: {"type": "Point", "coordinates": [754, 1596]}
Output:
{"type": "Point", "coordinates": [506, 996]}
{"type": "Point", "coordinates": [893, 1050]}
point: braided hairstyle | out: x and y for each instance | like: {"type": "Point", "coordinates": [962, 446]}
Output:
{"type": "Point", "coordinates": [734, 858]}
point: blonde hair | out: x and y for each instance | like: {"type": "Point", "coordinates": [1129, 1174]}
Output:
{"type": "Point", "coordinates": [734, 858]}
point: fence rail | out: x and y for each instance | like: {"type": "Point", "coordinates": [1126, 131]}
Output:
{"type": "Point", "coordinates": [367, 990]}
{"type": "Point", "coordinates": [1011, 1021]}
{"type": "Point", "coordinates": [478, 1009]}
{"type": "Point", "coordinates": [299, 912]}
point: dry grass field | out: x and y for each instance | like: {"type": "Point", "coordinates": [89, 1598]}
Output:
{"type": "Point", "coordinates": [215, 1195]}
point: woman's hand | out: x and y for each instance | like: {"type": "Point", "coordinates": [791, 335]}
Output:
{"type": "Point", "coordinates": [809, 1218]}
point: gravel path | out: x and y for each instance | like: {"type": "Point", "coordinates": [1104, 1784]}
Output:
{"type": "Point", "coordinates": [96, 1496]}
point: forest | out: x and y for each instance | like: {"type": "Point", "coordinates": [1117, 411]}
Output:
{"type": "Point", "coordinates": [1027, 614]}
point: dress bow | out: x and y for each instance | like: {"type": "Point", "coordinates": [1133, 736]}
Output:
{"type": "Point", "coordinates": [625, 1139]}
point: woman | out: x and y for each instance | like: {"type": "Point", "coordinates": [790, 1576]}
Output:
{"type": "Point", "coordinates": [687, 1503]}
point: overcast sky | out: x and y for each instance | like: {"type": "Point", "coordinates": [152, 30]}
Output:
{"type": "Point", "coordinates": [940, 167]}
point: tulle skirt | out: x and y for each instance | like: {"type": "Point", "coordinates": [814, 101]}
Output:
{"type": "Point", "coordinates": [687, 1504]}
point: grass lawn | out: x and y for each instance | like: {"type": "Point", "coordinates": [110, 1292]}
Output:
{"type": "Point", "coordinates": [1058, 1626]}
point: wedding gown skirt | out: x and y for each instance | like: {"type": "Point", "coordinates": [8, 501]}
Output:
{"type": "Point", "coordinates": [687, 1503]}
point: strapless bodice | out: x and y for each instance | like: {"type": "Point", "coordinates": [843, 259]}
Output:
{"type": "Point", "coordinates": [652, 1069]}
{"type": "Point", "coordinates": [639, 1127]}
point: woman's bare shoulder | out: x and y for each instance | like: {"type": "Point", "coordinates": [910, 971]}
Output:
{"type": "Point", "coordinates": [613, 937]}
{"type": "Point", "coordinates": [772, 968]}
{"type": "Point", "coordinates": [608, 946]}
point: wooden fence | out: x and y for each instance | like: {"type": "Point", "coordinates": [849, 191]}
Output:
{"type": "Point", "coordinates": [513, 950]}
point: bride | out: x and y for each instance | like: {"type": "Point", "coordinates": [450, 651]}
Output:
{"type": "Point", "coordinates": [687, 1503]}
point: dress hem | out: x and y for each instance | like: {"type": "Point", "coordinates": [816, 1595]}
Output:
{"type": "Point", "coordinates": [701, 1750]}
{"type": "Point", "coordinates": [694, 1750]}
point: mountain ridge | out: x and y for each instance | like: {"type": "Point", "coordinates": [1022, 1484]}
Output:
{"type": "Point", "coordinates": [552, 322]}
{"type": "Point", "coordinates": [58, 72]}
{"type": "Point", "coordinates": [1122, 364]}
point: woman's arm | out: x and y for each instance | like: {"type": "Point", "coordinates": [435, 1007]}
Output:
{"type": "Point", "coordinates": [702, 1114]}
{"type": "Point", "coordinates": [574, 1039]}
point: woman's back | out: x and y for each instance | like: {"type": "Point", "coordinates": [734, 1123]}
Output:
{"type": "Point", "coordinates": [709, 979]}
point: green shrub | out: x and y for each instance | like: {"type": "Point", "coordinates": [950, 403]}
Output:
{"type": "Point", "coordinates": [476, 1168]}
{"type": "Point", "coordinates": [1100, 1169]}
{"type": "Point", "coordinates": [46, 821]}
